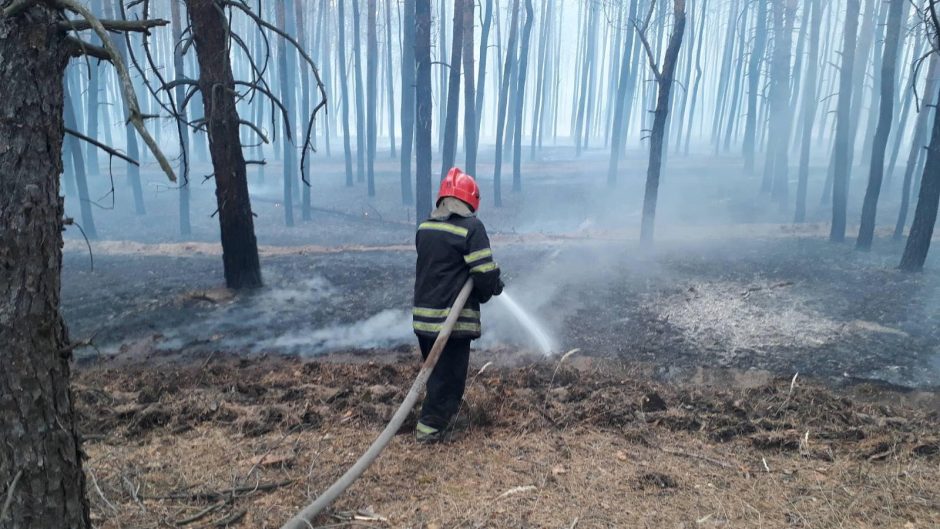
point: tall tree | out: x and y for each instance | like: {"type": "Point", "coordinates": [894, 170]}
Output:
{"type": "Point", "coordinates": [361, 133]}
{"type": "Point", "coordinates": [481, 74]}
{"type": "Point", "coordinates": [372, 74]}
{"type": "Point", "coordinates": [178, 70]}
{"type": "Point", "coordinates": [78, 165]}
{"type": "Point", "coordinates": [344, 89]}
{"type": "Point", "coordinates": [449, 151]}
{"type": "Point", "coordinates": [217, 84]}
{"type": "Point", "coordinates": [520, 96]}
{"type": "Point", "coordinates": [389, 85]}
{"type": "Point", "coordinates": [753, 85]}
{"type": "Point", "coordinates": [664, 79]}
{"type": "Point", "coordinates": [469, 101]}
{"type": "Point", "coordinates": [424, 109]}
{"type": "Point", "coordinates": [841, 157]}
{"type": "Point", "coordinates": [407, 99]}
{"type": "Point", "coordinates": [809, 107]}
{"type": "Point", "coordinates": [624, 98]}
{"type": "Point", "coordinates": [784, 12]}
{"type": "Point", "coordinates": [40, 457]}
{"type": "Point", "coordinates": [885, 119]}
{"type": "Point", "coordinates": [503, 103]}
{"type": "Point", "coordinates": [285, 71]}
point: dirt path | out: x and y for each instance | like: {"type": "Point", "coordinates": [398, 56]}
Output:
{"type": "Point", "coordinates": [587, 443]}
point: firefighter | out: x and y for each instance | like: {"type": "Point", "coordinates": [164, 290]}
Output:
{"type": "Point", "coordinates": [452, 246]}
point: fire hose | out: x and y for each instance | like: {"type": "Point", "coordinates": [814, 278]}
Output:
{"type": "Point", "coordinates": [304, 519]}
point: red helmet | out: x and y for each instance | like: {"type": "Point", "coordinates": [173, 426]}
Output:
{"type": "Point", "coordinates": [462, 186]}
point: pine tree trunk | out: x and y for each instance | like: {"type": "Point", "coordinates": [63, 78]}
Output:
{"type": "Point", "coordinates": [239, 246]}
{"type": "Point", "coordinates": [841, 157]}
{"type": "Point", "coordinates": [620, 124]}
{"type": "Point", "coordinates": [657, 133]}
{"type": "Point", "coordinates": [306, 212]}
{"type": "Point", "coordinates": [344, 90]}
{"type": "Point", "coordinates": [40, 456]}
{"type": "Point", "coordinates": [503, 103]}
{"type": "Point", "coordinates": [372, 62]}
{"type": "Point", "coordinates": [424, 110]}
{"type": "Point", "coordinates": [286, 82]}
{"type": "Point", "coordinates": [784, 12]}
{"type": "Point", "coordinates": [469, 101]}
{"type": "Point", "coordinates": [809, 108]}
{"type": "Point", "coordinates": [180, 94]}
{"type": "Point", "coordinates": [925, 215]}
{"type": "Point", "coordinates": [407, 100]}
{"type": "Point", "coordinates": [78, 164]}
{"type": "Point", "coordinates": [520, 96]}
{"type": "Point", "coordinates": [361, 133]}
{"type": "Point", "coordinates": [481, 74]}
{"type": "Point", "coordinates": [389, 86]}
{"type": "Point", "coordinates": [917, 143]}
{"type": "Point", "coordinates": [449, 151]}
{"type": "Point", "coordinates": [885, 119]}
{"type": "Point", "coordinates": [753, 86]}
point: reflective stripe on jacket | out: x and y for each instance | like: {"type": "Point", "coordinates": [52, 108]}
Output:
{"type": "Point", "coordinates": [450, 250]}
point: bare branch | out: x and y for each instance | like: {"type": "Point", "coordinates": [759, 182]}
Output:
{"type": "Point", "coordinates": [78, 47]}
{"type": "Point", "coordinates": [110, 150]}
{"type": "Point", "coordinates": [140, 26]}
{"type": "Point", "coordinates": [133, 106]}
{"type": "Point", "coordinates": [255, 128]}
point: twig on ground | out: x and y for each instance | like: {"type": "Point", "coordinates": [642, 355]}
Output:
{"type": "Point", "coordinates": [201, 514]}
{"type": "Point", "coordinates": [702, 457]}
{"type": "Point", "coordinates": [230, 519]}
{"type": "Point", "coordinates": [94, 481]}
{"type": "Point", "coordinates": [210, 495]}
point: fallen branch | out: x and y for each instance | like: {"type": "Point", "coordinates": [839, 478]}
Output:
{"type": "Point", "coordinates": [201, 514]}
{"type": "Point", "coordinates": [222, 494]}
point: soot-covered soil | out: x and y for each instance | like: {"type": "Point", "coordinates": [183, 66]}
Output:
{"type": "Point", "coordinates": [586, 443]}
{"type": "Point", "coordinates": [779, 303]}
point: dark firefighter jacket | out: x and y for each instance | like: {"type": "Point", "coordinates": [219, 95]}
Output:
{"type": "Point", "coordinates": [450, 250]}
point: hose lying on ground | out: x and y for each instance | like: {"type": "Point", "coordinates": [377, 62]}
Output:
{"type": "Point", "coordinates": [304, 519]}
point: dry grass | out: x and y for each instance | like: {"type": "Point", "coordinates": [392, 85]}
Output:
{"type": "Point", "coordinates": [585, 450]}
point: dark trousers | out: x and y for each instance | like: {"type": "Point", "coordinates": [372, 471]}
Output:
{"type": "Point", "coordinates": [448, 380]}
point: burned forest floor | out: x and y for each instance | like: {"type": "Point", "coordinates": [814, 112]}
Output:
{"type": "Point", "coordinates": [744, 373]}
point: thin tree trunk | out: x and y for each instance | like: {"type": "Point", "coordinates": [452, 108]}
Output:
{"type": "Point", "coordinates": [621, 105]}
{"type": "Point", "coordinates": [372, 62]}
{"type": "Point", "coordinates": [698, 77]}
{"type": "Point", "coordinates": [390, 86]}
{"type": "Point", "coordinates": [449, 151]}
{"type": "Point", "coordinates": [784, 12]}
{"type": "Point", "coordinates": [40, 456]}
{"type": "Point", "coordinates": [407, 100]}
{"type": "Point", "coordinates": [78, 163]}
{"type": "Point", "coordinates": [344, 90]}
{"type": "Point", "coordinates": [306, 212]}
{"type": "Point", "coordinates": [361, 133]}
{"type": "Point", "coordinates": [425, 109]}
{"type": "Point", "coordinates": [503, 102]}
{"type": "Point", "coordinates": [180, 90]}
{"type": "Point", "coordinates": [287, 98]}
{"type": "Point", "coordinates": [841, 157]}
{"type": "Point", "coordinates": [809, 108]}
{"type": "Point", "coordinates": [753, 83]}
{"type": "Point", "coordinates": [520, 96]}
{"type": "Point", "coordinates": [469, 102]}
{"type": "Point", "coordinates": [885, 119]}
{"type": "Point", "coordinates": [917, 143]}
{"type": "Point", "coordinates": [239, 246]}
{"type": "Point", "coordinates": [925, 215]}
{"type": "Point", "coordinates": [481, 74]}
{"type": "Point", "coordinates": [657, 134]}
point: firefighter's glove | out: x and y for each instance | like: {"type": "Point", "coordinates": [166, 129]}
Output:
{"type": "Point", "coordinates": [499, 287]}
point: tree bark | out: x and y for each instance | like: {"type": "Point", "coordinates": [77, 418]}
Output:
{"type": "Point", "coordinates": [361, 133]}
{"type": "Point", "coordinates": [449, 151]}
{"type": "Point", "coordinates": [469, 101]}
{"type": "Point", "coordinates": [753, 86]}
{"type": "Point", "coordinates": [40, 456]}
{"type": "Point", "coordinates": [180, 93]}
{"type": "Point", "coordinates": [344, 89]}
{"type": "Point", "coordinates": [217, 84]}
{"type": "Point", "coordinates": [424, 111]}
{"type": "Point", "coordinates": [657, 134]}
{"type": "Point", "coordinates": [285, 71]}
{"type": "Point", "coordinates": [809, 108]}
{"type": "Point", "coordinates": [372, 62]}
{"type": "Point", "coordinates": [886, 117]}
{"type": "Point", "coordinates": [407, 100]}
{"type": "Point", "coordinates": [841, 158]}
{"type": "Point", "coordinates": [503, 103]}
{"type": "Point", "coordinates": [520, 96]}
{"type": "Point", "coordinates": [925, 215]}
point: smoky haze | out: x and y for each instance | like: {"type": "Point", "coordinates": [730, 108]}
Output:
{"type": "Point", "coordinates": [765, 149]}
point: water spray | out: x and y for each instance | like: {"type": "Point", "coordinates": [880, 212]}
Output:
{"type": "Point", "coordinates": [541, 336]}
